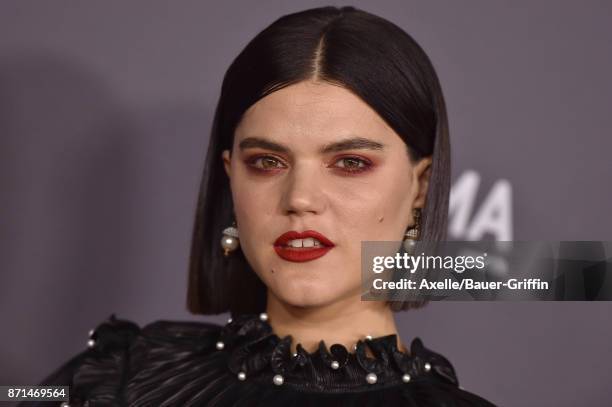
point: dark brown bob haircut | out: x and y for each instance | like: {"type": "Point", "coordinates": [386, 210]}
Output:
{"type": "Point", "coordinates": [366, 54]}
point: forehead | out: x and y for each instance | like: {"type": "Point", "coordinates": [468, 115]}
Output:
{"type": "Point", "coordinates": [312, 111]}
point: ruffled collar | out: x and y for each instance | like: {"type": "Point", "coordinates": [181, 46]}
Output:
{"type": "Point", "coordinates": [256, 353]}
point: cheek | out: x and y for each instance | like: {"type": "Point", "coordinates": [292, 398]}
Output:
{"type": "Point", "coordinates": [377, 209]}
{"type": "Point", "coordinates": [247, 201]}
{"type": "Point", "coordinates": [251, 198]}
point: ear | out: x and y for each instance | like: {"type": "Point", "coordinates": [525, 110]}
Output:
{"type": "Point", "coordinates": [422, 173]}
{"type": "Point", "coordinates": [227, 163]}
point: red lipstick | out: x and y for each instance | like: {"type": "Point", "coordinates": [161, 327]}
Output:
{"type": "Point", "coordinates": [301, 254]}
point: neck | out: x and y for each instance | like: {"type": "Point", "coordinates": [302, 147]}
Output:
{"type": "Point", "coordinates": [344, 322]}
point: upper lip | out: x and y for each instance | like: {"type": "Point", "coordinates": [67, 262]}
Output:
{"type": "Point", "coordinates": [283, 239]}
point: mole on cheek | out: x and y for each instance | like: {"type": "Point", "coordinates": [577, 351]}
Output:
{"type": "Point", "coordinates": [272, 271]}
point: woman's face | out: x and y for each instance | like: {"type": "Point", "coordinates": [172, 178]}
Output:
{"type": "Point", "coordinates": [315, 157]}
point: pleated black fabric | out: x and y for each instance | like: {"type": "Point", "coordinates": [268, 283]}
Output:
{"type": "Point", "coordinates": [170, 363]}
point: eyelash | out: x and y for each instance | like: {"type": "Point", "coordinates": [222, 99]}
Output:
{"type": "Point", "coordinates": [367, 164]}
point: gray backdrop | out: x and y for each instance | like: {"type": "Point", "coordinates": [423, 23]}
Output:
{"type": "Point", "coordinates": [105, 109]}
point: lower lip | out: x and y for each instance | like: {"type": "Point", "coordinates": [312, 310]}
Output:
{"type": "Point", "coordinates": [301, 255]}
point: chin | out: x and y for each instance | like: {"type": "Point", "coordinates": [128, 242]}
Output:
{"type": "Point", "coordinates": [307, 295]}
{"type": "Point", "coordinates": [308, 302]}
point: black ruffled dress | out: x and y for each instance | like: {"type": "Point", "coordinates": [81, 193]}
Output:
{"type": "Point", "coordinates": [243, 363]}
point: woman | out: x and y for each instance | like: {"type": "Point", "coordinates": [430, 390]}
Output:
{"type": "Point", "coordinates": [330, 130]}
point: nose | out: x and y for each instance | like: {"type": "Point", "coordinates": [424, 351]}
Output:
{"type": "Point", "coordinates": [302, 193]}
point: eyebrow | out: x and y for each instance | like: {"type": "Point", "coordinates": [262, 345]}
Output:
{"type": "Point", "coordinates": [351, 143]}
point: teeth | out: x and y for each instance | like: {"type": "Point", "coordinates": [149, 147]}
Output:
{"type": "Point", "coordinates": [308, 242]}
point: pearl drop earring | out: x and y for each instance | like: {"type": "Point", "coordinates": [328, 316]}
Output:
{"type": "Point", "coordinates": [229, 241]}
{"type": "Point", "coordinates": [413, 233]}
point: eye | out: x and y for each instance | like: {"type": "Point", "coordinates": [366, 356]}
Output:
{"type": "Point", "coordinates": [265, 162]}
{"type": "Point", "coordinates": [353, 164]}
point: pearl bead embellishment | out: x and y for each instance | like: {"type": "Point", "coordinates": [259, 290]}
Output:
{"type": "Point", "coordinates": [229, 243]}
{"type": "Point", "coordinates": [409, 245]}
{"type": "Point", "coordinates": [91, 343]}
{"type": "Point", "coordinates": [278, 379]}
